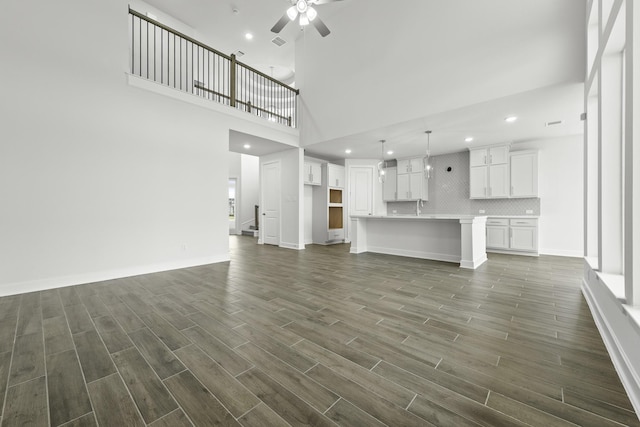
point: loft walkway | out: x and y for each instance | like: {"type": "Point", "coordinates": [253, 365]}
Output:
{"type": "Point", "coordinates": [168, 57]}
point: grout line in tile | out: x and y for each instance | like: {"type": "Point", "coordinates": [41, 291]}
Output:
{"type": "Point", "coordinates": [412, 400]}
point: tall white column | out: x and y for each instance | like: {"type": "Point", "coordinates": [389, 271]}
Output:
{"type": "Point", "coordinates": [610, 167]}
{"type": "Point", "coordinates": [632, 156]}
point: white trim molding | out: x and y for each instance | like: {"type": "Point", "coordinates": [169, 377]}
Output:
{"type": "Point", "coordinates": [619, 330]}
{"type": "Point", "coordinates": [100, 276]}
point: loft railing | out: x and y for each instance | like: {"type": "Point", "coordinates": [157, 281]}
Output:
{"type": "Point", "coordinates": [166, 56]}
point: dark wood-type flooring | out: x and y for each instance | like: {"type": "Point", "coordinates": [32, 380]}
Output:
{"type": "Point", "coordinates": [315, 337]}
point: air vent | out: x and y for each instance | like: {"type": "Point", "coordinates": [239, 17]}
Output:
{"type": "Point", "coordinates": [557, 122]}
{"type": "Point", "coordinates": [278, 41]}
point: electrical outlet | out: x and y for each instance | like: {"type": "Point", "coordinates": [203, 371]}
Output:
{"type": "Point", "coordinates": [481, 211]}
{"type": "Point", "coordinates": [529, 211]}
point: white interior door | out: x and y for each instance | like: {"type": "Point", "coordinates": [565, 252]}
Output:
{"type": "Point", "coordinates": [270, 183]}
{"type": "Point", "coordinates": [360, 192]}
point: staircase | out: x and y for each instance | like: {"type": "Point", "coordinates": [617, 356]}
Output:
{"type": "Point", "coordinates": [253, 229]}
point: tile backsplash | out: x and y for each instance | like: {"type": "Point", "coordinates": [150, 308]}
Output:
{"type": "Point", "coordinates": [449, 193]}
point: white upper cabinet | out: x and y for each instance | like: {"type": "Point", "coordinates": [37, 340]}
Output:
{"type": "Point", "coordinates": [412, 186]}
{"type": "Point", "coordinates": [489, 156]}
{"type": "Point", "coordinates": [499, 155]}
{"type": "Point", "coordinates": [411, 183]}
{"type": "Point", "coordinates": [312, 173]}
{"type": "Point", "coordinates": [389, 186]}
{"type": "Point", "coordinates": [412, 165]}
{"type": "Point", "coordinates": [489, 172]}
{"type": "Point", "coordinates": [499, 180]}
{"type": "Point", "coordinates": [524, 173]}
{"type": "Point", "coordinates": [479, 182]}
{"type": "Point", "coordinates": [494, 172]}
{"type": "Point", "coordinates": [335, 176]}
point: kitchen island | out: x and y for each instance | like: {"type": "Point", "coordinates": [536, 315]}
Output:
{"type": "Point", "coordinates": [453, 238]}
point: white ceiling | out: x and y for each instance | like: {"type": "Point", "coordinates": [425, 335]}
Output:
{"type": "Point", "coordinates": [218, 25]}
{"type": "Point", "coordinates": [483, 122]}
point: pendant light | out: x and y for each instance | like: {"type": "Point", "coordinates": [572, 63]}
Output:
{"type": "Point", "coordinates": [381, 171]}
{"type": "Point", "coordinates": [425, 160]}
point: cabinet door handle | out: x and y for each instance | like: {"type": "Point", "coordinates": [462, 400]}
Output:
{"type": "Point", "coordinates": [512, 190]}
{"type": "Point", "coordinates": [490, 158]}
{"type": "Point", "coordinates": [485, 160]}
{"type": "Point", "coordinates": [485, 191]}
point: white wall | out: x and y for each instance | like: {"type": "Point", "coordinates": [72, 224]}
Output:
{"type": "Point", "coordinates": [98, 178]}
{"type": "Point", "coordinates": [379, 77]}
{"type": "Point", "coordinates": [560, 187]}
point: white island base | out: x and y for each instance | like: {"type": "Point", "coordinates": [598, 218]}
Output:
{"type": "Point", "coordinates": [453, 238]}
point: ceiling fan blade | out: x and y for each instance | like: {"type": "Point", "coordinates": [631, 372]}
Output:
{"type": "Point", "coordinates": [321, 27]}
{"type": "Point", "coordinates": [324, 1]}
{"type": "Point", "coordinates": [281, 23]}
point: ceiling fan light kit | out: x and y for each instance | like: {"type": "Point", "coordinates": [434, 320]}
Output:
{"type": "Point", "coordinates": [303, 9]}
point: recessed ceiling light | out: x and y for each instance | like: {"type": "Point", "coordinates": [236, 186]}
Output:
{"type": "Point", "coordinates": [390, 152]}
{"type": "Point", "coordinates": [248, 36]}
{"type": "Point", "coordinates": [247, 146]}
{"type": "Point", "coordinates": [468, 139]}
{"type": "Point", "coordinates": [510, 119]}
{"type": "Point", "coordinates": [348, 151]}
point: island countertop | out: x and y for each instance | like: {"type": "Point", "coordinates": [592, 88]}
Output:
{"type": "Point", "coordinates": [421, 217]}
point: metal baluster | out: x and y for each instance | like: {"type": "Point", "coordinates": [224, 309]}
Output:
{"type": "Point", "coordinates": [174, 61]}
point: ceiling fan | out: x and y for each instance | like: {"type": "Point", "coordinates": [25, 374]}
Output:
{"type": "Point", "coordinates": [304, 9]}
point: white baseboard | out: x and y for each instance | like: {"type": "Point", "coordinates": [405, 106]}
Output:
{"type": "Point", "coordinates": [561, 252]}
{"type": "Point", "coordinates": [625, 368]}
{"type": "Point", "coordinates": [291, 246]}
{"type": "Point", "coordinates": [475, 263]}
{"type": "Point", "coordinates": [100, 276]}
{"type": "Point", "coordinates": [414, 254]}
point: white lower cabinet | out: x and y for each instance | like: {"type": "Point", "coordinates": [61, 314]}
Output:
{"type": "Point", "coordinates": [513, 235]}
{"type": "Point", "coordinates": [524, 234]}
{"type": "Point", "coordinates": [497, 233]}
